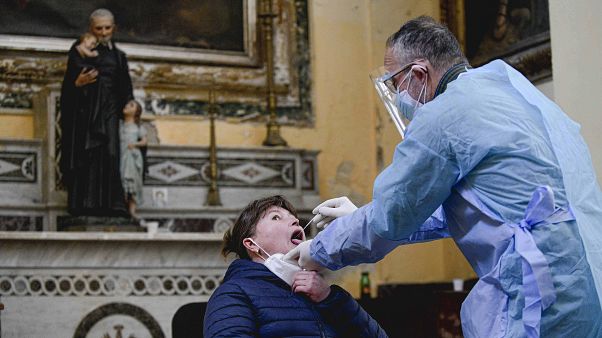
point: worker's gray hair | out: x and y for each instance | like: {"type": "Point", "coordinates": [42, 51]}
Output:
{"type": "Point", "coordinates": [101, 13]}
{"type": "Point", "coordinates": [424, 38]}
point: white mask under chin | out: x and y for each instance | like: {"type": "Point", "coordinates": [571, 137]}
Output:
{"type": "Point", "coordinates": [281, 268]}
{"type": "Point", "coordinates": [285, 270]}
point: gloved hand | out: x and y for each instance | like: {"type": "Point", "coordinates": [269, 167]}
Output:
{"type": "Point", "coordinates": [333, 208]}
{"type": "Point", "coordinates": [300, 256]}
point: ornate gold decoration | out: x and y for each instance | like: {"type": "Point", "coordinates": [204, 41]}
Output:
{"type": "Point", "coordinates": [30, 69]}
{"type": "Point", "coordinates": [213, 198]}
{"type": "Point", "coordinates": [506, 39]}
{"type": "Point", "coordinates": [273, 137]}
{"type": "Point", "coordinates": [452, 15]}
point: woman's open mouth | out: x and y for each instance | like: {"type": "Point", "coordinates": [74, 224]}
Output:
{"type": "Point", "coordinates": [297, 237]}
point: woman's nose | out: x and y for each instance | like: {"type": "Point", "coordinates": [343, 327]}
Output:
{"type": "Point", "coordinates": [295, 222]}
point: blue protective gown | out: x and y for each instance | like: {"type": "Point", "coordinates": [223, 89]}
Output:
{"type": "Point", "coordinates": [500, 168]}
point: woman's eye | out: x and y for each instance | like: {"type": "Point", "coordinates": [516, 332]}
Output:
{"type": "Point", "coordinates": [275, 218]}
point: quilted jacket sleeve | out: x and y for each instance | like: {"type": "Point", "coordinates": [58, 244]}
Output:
{"type": "Point", "coordinates": [340, 310]}
{"type": "Point", "coordinates": [229, 314]}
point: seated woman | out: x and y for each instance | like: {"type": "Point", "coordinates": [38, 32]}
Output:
{"type": "Point", "coordinates": [264, 296]}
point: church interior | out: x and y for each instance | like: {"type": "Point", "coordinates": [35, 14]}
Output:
{"type": "Point", "coordinates": [240, 99]}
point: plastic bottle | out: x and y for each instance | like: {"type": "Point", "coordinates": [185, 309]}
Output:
{"type": "Point", "coordinates": [365, 286]}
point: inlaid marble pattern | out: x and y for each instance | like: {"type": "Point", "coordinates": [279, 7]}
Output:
{"type": "Point", "coordinates": [18, 167]}
{"type": "Point", "coordinates": [232, 172]}
{"type": "Point", "coordinates": [197, 224]}
{"type": "Point", "coordinates": [21, 223]}
{"type": "Point", "coordinates": [308, 168]}
{"type": "Point", "coordinates": [92, 284]}
{"type": "Point", "coordinates": [119, 318]}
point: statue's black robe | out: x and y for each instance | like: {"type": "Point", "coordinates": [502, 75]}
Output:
{"type": "Point", "coordinates": [89, 124]}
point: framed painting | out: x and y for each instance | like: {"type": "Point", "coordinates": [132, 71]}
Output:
{"type": "Point", "coordinates": [517, 31]}
{"type": "Point", "coordinates": [199, 31]}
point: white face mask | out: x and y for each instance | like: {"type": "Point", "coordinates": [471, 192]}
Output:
{"type": "Point", "coordinates": [406, 104]}
{"type": "Point", "coordinates": [285, 270]}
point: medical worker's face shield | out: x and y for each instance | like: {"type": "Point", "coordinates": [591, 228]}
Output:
{"type": "Point", "coordinates": [385, 85]}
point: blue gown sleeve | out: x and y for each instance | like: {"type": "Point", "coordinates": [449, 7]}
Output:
{"type": "Point", "coordinates": [408, 194]}
{"type": "Point", "coordinates": [350, 241]}
{"type": "Point", "coordinates": [413, 187]}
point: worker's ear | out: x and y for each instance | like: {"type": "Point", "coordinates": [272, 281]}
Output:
{"type": "Point", "coordinates": [420, 73]}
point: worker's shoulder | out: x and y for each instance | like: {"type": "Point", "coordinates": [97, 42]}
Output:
{"type": "Point", "coordinates": [465, 107]}
{"type": "Point", "coordinates": [473, 94]}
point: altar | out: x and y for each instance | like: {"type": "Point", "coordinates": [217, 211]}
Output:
{"type": "Point", "coordinates": [87, 284]}
{"type": "Point", "coordinates": [65, 276]}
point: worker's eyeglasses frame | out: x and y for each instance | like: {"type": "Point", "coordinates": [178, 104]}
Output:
{"type": "Point", "coordinates": [389, 78]}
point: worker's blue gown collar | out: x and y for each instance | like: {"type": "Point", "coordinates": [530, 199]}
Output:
{"type": "Point", "coordinates": [451, 74]}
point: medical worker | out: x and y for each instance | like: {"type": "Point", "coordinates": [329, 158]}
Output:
{"type": "Point", "coordinates": [488, 160]}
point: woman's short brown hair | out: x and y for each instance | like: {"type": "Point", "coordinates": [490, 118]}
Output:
{"type": "Point", "coordinates": [246, 224]}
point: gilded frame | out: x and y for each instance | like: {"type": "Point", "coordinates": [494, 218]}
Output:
{"type": "Point", "coordinates": [531, 54]}
{"type": "Point", "coordinates": [157, 53]}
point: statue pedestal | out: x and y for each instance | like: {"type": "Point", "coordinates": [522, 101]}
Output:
{"type": "Point", "coordinates": [174, 192]}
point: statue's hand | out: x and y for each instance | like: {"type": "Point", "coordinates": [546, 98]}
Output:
{"type": "Point", "coordinates": [131, 146]}
{"type": "Point", "coordinates": [86, 77]}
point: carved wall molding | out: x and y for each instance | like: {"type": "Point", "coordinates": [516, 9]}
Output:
{"type": "Point", "coordinates": [107, 285]}
{"type": "Point", "coordinates": [17, 95]}
{"type": "Point", "coordinates": [30, 69]}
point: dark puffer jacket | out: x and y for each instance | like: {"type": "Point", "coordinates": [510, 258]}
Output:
{"type": "Point", "coordinates": [253, 302]}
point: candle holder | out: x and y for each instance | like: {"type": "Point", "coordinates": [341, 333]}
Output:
{"type": "Point", "coordinates": [266, 15]}
{"type": "Point", "coordinates": [213, 198]}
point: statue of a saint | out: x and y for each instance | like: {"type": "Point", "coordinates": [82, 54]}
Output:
{"type": "Point", "coordinates": [95, 89]}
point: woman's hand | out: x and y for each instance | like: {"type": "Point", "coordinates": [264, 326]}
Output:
{"type": "Point", "coordinates": [311, 284]}
{"type": "Point", "coordinates": [86, 77]}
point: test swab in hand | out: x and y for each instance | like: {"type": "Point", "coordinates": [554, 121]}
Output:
{"type": "Point", "coordinates": [308, 223]}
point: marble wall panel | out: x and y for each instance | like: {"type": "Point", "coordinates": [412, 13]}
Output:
{"type": "Point", "coordinates": [89, 285]}
{"type": "Point", "coordinates": [20, 173]}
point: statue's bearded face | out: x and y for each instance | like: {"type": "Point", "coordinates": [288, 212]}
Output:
{"type": "Point", "coordinates": [102, 28]}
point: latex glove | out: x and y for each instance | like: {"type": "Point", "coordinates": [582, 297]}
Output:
{"type": "Point", "coordinates": [333, 208]}
{"type": "Point", "coordinates": [300, 256]}
{"type": "Point", "coordinates": [312, 284]}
